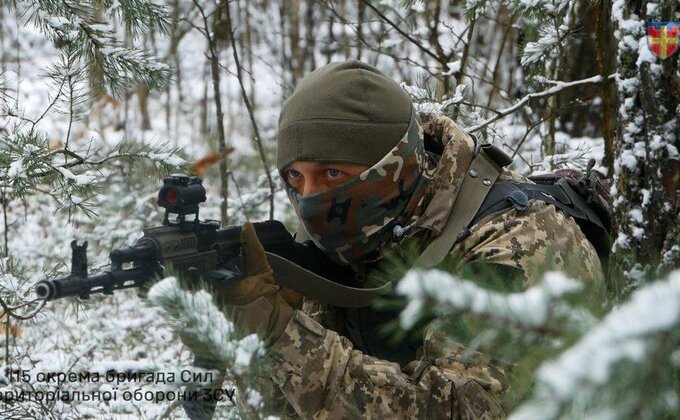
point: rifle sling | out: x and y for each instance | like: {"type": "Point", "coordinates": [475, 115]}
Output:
{"type": "Point", "coordinates": [293, 276]}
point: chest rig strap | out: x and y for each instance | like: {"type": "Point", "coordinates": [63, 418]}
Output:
{"type": "Point", "coordinates": [482, 174]}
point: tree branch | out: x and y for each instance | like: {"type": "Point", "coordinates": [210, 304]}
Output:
{"type": "Point", "coordinates": [559, 86]}
{"type": "Point", "coordinates": [404, 34]}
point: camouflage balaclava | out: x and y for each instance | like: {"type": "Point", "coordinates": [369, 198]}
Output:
{"type": "Point", "coordinates": [351, 113]}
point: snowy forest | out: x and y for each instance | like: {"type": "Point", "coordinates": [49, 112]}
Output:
{"type": "Point", "coordinates": [101, 99]}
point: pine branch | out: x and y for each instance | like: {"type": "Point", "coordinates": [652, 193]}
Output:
{"type": "Point", "coordinates": [84, 39]}
{"type": "Point", "coordinates": [198, 321]}
{"type": "Point", "coordinates": [140, 16]}
{"type": "Point", "coordinates": [623, 366]}
{"type": "Point", "coordinates": [28, 163]}
{"type": "Point", "coordinates": [529, 310]}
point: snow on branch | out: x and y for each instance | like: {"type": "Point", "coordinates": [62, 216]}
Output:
{"type": "Point", "coordinates": [554, 90]}
{"type": "Point", "coordinates": [30, 163]}
{"type": "Point", "coordinates": [424, 99]}
{"type": "Point", "coordinates": [89, 42]}
{"type": "Point", "coordinates": [528, 309]}
{"type": "Point", "coordinates": [141, 16]}
{"type": "Point", "coordinates": [546, 45]}
{"type": "Point", "coordinates": [198, 320]}
{"type": "Point", "coordinates": [582, 375]}
{"type": "Point", "coordinates": [195, 317]}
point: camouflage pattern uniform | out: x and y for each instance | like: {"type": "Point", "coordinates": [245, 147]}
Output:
{"type": "Point", "coordinates": [538, 238]}
{"type": "Point", "coordinates": [322, 375]}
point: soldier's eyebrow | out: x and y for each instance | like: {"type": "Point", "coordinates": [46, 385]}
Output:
{"type": "Point", "coordinates": [306, 162]}
{"type": "Point", "coordinates": [323, 164]}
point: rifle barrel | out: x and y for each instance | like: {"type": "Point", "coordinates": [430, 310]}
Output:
{"type": "Point", "coordinates": [105, 283]}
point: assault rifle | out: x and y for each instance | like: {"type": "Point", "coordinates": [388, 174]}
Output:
{"type": "Point", "coordinates": [192, 249]}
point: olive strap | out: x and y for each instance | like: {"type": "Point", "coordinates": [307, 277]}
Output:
{"type": "Point", "coordinates": [483, 172]}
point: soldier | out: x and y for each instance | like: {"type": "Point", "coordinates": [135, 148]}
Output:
{"type": "Point", "coordinates": [370, 179]}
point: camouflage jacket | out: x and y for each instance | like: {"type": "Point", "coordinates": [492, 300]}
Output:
{"type": "Point", "coordinates": [320, 372]}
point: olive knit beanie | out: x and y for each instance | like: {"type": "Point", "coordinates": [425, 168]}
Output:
{"type": "Point", "coordinates": [343, 112]}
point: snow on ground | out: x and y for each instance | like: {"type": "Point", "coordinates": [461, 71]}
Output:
{"type": "Point", "coordinates": [121, 332]}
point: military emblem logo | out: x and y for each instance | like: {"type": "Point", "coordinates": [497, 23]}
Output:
{"type": "Point", "coordinates": [663, 38]}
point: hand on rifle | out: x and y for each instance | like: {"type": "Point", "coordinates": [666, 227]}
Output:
{"type": "Point", "coordinates": [256, 304]}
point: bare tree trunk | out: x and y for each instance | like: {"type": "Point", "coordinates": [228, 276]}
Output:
{"type": "Point", "coordinates": [549, 140]}
{"type": "Point", "coordinates": [464, 59]}
{"type": "Point", "coordinates": [435, 18]}
{"type": "Point", "coordinates": [331, 38]}
{"type": "Point", "coordinates": [126, 107]}
{"type": "Point", "coordinates": [285, 60]}
{"type": "Point", "coordinates": [3, 50]}
{"type": "Point", "coordinates": [296, 53]}
{"type": "Point", "coordinates": [361, 12]}
{"type": "Point", "coordinates": [342, 5]}
{"type": "Point", "coordinates": [219, 115]}
{"type": "Point", "coordinates": [308, 60]}
{"type": "Point", "coordinates": [502, 13]}
{"type": "Point", "coordinates": [606, 66]}
{"type": "Point", "coordinates": [4, 199]}
{"type": "Point", "coordinates": [168, 107]}
{"type": "Point", "coordinates": [249, 54]}
{"type": "Point", "coordinates": [553, 101]}
{"type": "Point", "coordinates": [176, 36]}
{"type": "Point", "coordinates": [204, 103]}
{"type": "Point", "coordinates": [256, 131]}
{"type": "Point", "coordinates": [96, 78]}
{"type": "Point", "coordinates": [143, 97]}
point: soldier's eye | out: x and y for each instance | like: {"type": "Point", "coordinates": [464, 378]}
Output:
{"type": "Point", "coordinates": [334, 173]}
{"type": "Point", "coordinates": [292, 174]}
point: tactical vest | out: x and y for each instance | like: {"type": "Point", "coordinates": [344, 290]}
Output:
{"type": "Point", "coordinates": [480, 195]}
{"type": "Point", "coordinates": [555, 191]}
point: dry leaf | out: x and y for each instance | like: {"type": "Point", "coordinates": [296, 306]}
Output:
{"type": "Point", "coordinates": [200, 167]}
{"type": "Point", "coordinates": [103, 101]}
{"type": "Point", "coordinates": [14, 328]}
{"type": "Point", "coordinates": [55, 144]}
